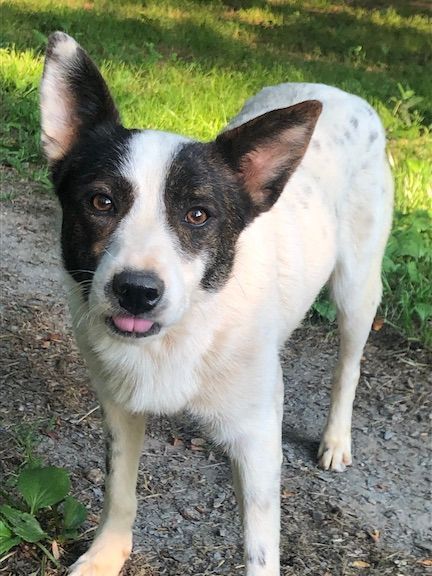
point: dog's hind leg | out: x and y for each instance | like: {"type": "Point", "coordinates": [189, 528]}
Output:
{"type": "Point", "coordinates": [113, 543]}
{"type": "Point", "coordinates": [356, 289]}
{"type": "Point", "coordinates": [354, 321]}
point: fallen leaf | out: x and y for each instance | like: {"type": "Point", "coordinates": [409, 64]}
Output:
{"type": "Point", "coordinates": [177, 442]}
{"type": "Point", "coordinates": [50, 434]}
{"type": "Point", "coordinates": [383, 487]}
{"type": "Point", "coordinates": [287, 494]}
{"type": "Point", "coordinates": [190, 514]}
{"type": "Point", "coordinates": [425, 562]}
{"type": "Point", "coordinates": [55, 550]}
{"type": "Point", "coordinates": [360, 564]}
{"type": "Point", "coordinates": [378, 323]}
{"type": "Point", "coordinates": [54, 337]}
{"type": "Point", "coordinates": [375, 535]}
{"type": "Point", "coordinates": [197, 444]}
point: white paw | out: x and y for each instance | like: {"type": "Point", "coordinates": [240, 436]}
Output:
{"type": "Point", "coordinates": [105, 557]}
{"type": "Point", "coordinates": [335, 452]}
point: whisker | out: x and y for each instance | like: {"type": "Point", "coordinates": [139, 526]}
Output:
{"type": "Point", "coordinates": [109, 254]}
{"type": "Point", "coordinates": [92, 272]}
{"type": "Point", "coordinates": [240, 286]}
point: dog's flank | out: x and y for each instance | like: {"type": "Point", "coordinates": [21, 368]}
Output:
{"type": "Point", "coordinates": [189, 265]}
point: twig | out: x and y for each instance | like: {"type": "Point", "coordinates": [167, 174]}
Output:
{"type": "Point", "coordinates": [85, 415]}
{"type": "Point", "coordinates": [3, 558]}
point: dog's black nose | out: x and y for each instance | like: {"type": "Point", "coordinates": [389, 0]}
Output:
{"type": "Point", "coordinates": [137, 292]}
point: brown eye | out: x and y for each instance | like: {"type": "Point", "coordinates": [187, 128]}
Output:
{"type": "Point", "coordinates": [196, 217]}
{"type": "Point", "coordinates": [102, 202]}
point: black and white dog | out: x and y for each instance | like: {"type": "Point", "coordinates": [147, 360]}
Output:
{"type": "Point", "coordinates": [189, 264]}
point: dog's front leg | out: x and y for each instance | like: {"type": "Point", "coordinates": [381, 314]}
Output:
{"type": "Point", "coordinates": [256, 454]}
{"type": "Point", "coordinates": [256, 463]}
{"type": "Point", "coordinates": [113, 543]}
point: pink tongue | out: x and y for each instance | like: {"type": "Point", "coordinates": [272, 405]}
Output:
{"type": "Point", "coordinates": [132, 324]}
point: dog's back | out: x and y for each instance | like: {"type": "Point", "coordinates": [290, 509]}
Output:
{"type": "Point", "coordinates": [334, 214]}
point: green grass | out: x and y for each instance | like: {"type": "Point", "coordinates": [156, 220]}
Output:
{"type": "Point", "coordinates": [188, 65]}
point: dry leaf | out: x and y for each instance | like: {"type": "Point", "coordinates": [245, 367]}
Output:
{"type": "Point", "coordinates": [287, 494]}
{"type": "Point", "coordinates": [197, 444]}
{"type": "Point", "coordinates": [55, 550]}
{"type": "Point", "coordinates": [375, 535]}
{"type": "Point", "coordinates": [360, 564]}
{"type": "Point", "coordinates": [378, 323]}
{"type": "Point", "coordinates": [425, 562]}
{"type": "Point", "coordinates": [55, 337]}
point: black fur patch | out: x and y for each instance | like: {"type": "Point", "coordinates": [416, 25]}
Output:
{"type": "Point", "coordinates": [108, 451]}
{"type": "Point", "coordinates": [258, 559]}
{"type": "Point", "coordinates": [225, 179]}
{"type": "Point", "coordinates": [199, 177]}
{"type": "Point", "coordinates": [92, 166]}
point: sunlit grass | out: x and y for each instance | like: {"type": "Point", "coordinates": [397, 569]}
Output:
{"type": "Point", "coordinates": [187, 66]}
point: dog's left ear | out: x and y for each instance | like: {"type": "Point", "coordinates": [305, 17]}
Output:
{"type": "Point", "coordinates": [266, 150]}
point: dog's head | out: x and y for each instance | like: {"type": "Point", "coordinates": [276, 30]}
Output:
{"type": "Point", "coordinates": [151, 219]}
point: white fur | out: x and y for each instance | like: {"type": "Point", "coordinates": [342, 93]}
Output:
{"type": "Point", "coordinates": [217, 356]}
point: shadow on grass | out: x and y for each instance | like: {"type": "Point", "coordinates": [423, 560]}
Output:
{"type": "Point", "coordinates": [230, 37]}
{"type": "Point", "coordinates": [277, 44]}
{"type": "Point", "coordinates": [401, 7]}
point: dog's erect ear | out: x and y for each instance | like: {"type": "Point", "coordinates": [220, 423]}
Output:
{"type": "Point", "coordinates": [266, 150]}
{"type": "Point", "coordinates": [73, 96]}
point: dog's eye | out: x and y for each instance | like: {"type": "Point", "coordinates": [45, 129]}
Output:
{"type": "Point", "coordinates": [196, 217]}
{"type": "Point", "coordinates": [102, 202]}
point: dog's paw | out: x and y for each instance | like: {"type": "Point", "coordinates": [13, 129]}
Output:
{"type": "Point", "coordinates": [105, 557]}
{"type": "Point", "coordinates": [335, 452]}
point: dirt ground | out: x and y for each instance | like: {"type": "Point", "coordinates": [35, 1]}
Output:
{"type": "Point", "coordinates": [375, 519]}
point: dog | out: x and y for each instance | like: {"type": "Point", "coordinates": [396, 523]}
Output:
{"type": "Point", "coordinates": [189, 264]}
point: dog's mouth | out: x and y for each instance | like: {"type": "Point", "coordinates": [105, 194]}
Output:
{"type": "Point", "coordinates": [132, 326]}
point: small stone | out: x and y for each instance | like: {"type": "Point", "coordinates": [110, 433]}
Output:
{"type": "Point", "coordinates": [318, 516]}
{"type": "Point", "coordinates": [190, 514]}
{"type": "Point", "coordinates": [388, 435]}
{"type": "Point", "coordinates": [218, 501]}
{"type": "Point", "coordinates": [95, 476]}
{"type": "Point", "coordinates": [197, 444]}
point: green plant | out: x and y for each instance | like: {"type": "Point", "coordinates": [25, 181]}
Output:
{"type": "Point", "coordinates": [323, 308]}
{"type": "Point", "coordinates": [405, 106]}
{"type": "Point", "coordinates": [407, 272]}
{"type": "Point", "coordinates": [44, 511]}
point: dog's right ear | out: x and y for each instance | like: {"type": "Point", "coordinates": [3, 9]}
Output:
{"type": "Point", "coordinates": [74, 98]}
